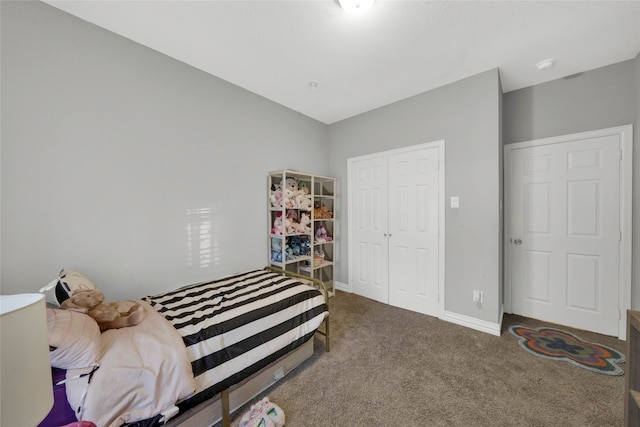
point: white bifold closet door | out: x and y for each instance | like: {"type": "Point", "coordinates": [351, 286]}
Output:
{"type": "Point", "coordinates": [394, 203]}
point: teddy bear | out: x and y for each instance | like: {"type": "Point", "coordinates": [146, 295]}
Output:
{"type": "Point", "coordinates": [290, 184]}
{"type": "Point", "coordinates": [321, 212]}
{"type": "Point", "coordinates": [108, 315]}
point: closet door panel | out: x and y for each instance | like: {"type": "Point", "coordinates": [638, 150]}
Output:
{"type": "Point", "coordinates": [369, 215]}
{"type": "Point", "coordinates": [413, 230]}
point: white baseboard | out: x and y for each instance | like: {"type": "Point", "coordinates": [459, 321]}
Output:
{"type": "Point", "coordinates": [345, 287]}
{"type": "Point", "coordinates": [449, 316]}
{"type": "Point", "coordinates": [473, 323]}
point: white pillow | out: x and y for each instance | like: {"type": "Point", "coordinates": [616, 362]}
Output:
{"type": "Point", "coordinates": [74, 339]}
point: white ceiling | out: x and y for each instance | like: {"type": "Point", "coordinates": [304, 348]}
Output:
{"type": "Point", "coordinates": [396, 50]}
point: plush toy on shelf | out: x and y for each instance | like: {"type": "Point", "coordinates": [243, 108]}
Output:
{"type": "Point", "coordinates": [289, 199]}
{"type": "Point", "coordinates": [305, 248]}
{"type": "Point", "coordinates": [276, 196]}
{"type": "Point", "coordinates": [291, 184]}
{"type": "Point", "coordinates": [276, 250]}
{"type": "Point", "coordinates": [292, 214]}
{"type": "Point", "coordinates": [295, 244]}
{"type": "Point", "coordinates": [291, 221]}
{"type": "Point", "coordinates": [321, 212]}
{"type": "Point", "coordinates": [321, 234]}
{"type": "Point", "coordinates": [303, 201]}
{"type": "Point", "coordinates": [305, 224]}
{"type": "Point", "coordinates": [288, 252]}
{"type": "Point", "coordinates": [278, 227]}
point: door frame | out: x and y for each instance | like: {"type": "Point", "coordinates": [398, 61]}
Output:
{"type": "Point", "coordinates": [441, 209]}
{"type": "Point", "coordinates": [625, 133]}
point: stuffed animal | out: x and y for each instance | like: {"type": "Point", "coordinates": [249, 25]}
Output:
{"type": "Point", "coordinates": [321, 234]}
{"type": "Point", "coordinates": [276, 196]}
{"type": "Point", "coordinates": [277, 228]}
{"type": "Point", "coordinates": [291, 221]}
{"type": "Point", "coordinates": [292, 214]}
{"type": "Point", "coordinates": [276, 250]}
{"type": "Point", "coordinates": [321, 212]}
{"type": "Point", "coordinates": [108, 315]}
{"type": "Point", "coordinates": [305, 248]}
{"type": "Point", "coordinates": [295, 245]}
{"type": "Point", "coordinates": [290, 184]}
{"type": "Point", "coordinates": [303, 187]}
{"type": "Point", "coordinates": [288, 252]}
{"type": "Point", "coordinates": [303, 201]}
{"type": "Point", "coordinates": [276, 256]}
{"type": "Point", "coordinates": [288, 226]}
{"type": "Point", "coordinates": [289, 198]}
{"type": "Point", "coordinates": [263, 414]}
{"type": "Point", "coordinates": [305, 224]}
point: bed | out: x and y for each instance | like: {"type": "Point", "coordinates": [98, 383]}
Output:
{"type": "Point", "coordinates": [202, 351]}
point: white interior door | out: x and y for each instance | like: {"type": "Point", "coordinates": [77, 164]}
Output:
{"type": "Point", "coordinates": [565, 232]}
{"type": "Point", "coordinates": [413, 230]}
{"type": "Point", "coordinates": [368, 232]}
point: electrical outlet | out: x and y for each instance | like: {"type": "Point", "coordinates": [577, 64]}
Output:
{"type": "Point", "coordinates": [477, 296]}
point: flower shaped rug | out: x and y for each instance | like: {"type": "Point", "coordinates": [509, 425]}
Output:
{"type": "Point", "coordinates": [560, 345]}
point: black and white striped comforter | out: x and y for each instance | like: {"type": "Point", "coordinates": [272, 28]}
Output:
{"type": "Point", "coordinates": [235, 326]}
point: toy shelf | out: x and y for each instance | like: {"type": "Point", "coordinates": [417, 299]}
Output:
{"type": "Point", "coordinates": [302, 224]}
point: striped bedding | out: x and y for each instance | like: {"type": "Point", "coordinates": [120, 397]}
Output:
{"type": "Point", "coordinates": [235, 326]}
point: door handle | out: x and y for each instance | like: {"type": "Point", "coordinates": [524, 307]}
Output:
{"type": "Point", "coordinates": [518, 241]}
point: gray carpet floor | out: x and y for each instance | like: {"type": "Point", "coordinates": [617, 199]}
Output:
{"type": "Point", "coordinates": [393, 367]}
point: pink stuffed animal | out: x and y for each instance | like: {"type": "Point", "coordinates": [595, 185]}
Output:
{"type": "Point", "coordinates": [289, 226]}
{"type": "Point", "coordinates": [321, 234]}
{"type": "Point", "coordinates": [277, 225]}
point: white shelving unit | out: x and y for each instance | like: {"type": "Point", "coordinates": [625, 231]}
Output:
{"type": "Point", "coordinates": [299, 205]}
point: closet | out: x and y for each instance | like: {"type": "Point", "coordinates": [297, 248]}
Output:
{"type": "Point", "coordinates": [396, 251]}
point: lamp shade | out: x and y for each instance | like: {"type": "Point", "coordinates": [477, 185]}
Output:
{"type": "Point", "coordinates": [25, 370]}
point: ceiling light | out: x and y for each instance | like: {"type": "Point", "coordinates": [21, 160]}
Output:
{"type": "Point", "coordinates": [356, 7]}
{"type": "Point", "coordinates": [545, 63]}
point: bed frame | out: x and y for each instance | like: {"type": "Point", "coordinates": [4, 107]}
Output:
{"type": "Point", "coordinates": [210, 412]}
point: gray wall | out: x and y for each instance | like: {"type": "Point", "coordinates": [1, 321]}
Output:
{"type": "Point", "coordinates": [116, 157]}
{"type": "Point", "coordinates": [597, 99]}
{"type": "Point", "coordinates": [635, 292]}
{"type": "Point", "coordinates": [466, 115]}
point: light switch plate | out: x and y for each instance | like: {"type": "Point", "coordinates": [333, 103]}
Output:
{"type": "Point", "coordinates": [455, 202]}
